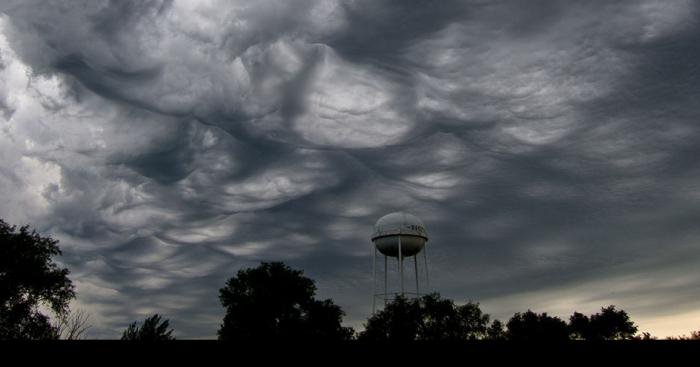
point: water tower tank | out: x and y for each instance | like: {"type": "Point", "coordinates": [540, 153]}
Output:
{"type": "Point", "coordinates": [408, 227]}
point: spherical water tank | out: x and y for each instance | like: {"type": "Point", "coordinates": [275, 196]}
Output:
{"type": "Point", "coordinates": [393, 226]}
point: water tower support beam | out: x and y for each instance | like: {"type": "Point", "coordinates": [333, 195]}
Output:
{"type": "Point", "coordinates": [425, 260]}
{"type": "Point", "coordinates": [374, 280]}
{"type": "Point", "coordinates": [401, 265]}
{"type": "Point", "coordinates": [415, 262]}
{"type": "Point", "coordinates": [386, 279]}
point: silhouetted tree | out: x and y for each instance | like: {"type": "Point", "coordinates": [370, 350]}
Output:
{"type": "Point", "coordinates": [322, 321]}
{"type": "Point", "coordinates": [72, 326]}
{"type": "Point", "coordinates": [29, 279]}
{"type": "Point", "coordinates": [609, 324]}
{"type": "Point", "coordinates": [273, 301]}
{"type": "Point", "coordinates": [496, 331]}
{"type": "Point", "coordinates": [530, 326]}
{"type": "Point", "coordinates": [427, 318]}
{"type": "Point", "coordinates": [474, 322]}
{"type": "Point", "coordinates": [439, 319]}
{"type": "Point", "coordinates": [612, 324]}
{"type": "Point", "coordinates": [152, 329]}
{"type": "Point", "coordinates": [579, 326]}
{"type": "Point", "coordinates": [400, 320]}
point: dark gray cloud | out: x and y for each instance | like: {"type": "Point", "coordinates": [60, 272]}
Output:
{"type": "Point", "coordinates": [549, 147]}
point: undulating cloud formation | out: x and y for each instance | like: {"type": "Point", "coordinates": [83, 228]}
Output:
{"type": "Point", "coordinates": [551, 147]}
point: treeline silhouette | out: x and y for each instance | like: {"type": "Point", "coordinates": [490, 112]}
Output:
{"type": "Point", "coordinates": [436, 319]}
{"type": "Point", "coordinates": [274, 302]}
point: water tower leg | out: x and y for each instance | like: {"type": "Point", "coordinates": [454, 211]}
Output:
{"type": "Point", "coordinates": [425, 260]}
{"type": "Point", "coordinates": [415, 262]}
{"type": "Point", "coordinates": [400, 266]}
{"type": "Point", "coordinates": [374, 280]}
{"type": "Point", "coordinates": [386, 278]}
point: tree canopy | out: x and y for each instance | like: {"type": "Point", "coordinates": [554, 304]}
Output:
{"type": "Point", "coordinates": [496, 331]}
{"type": "Point", "coordinates": [273, 301]}
{"type": "Point", "coordinates": [29, 279]}
{"type": "Point", "coordinates": [400, 320]}
{"type": "Point", "coordinates": [427, 318]}
{"type": "Point", "coordinates": [608, 324]}
{"type": "Point", "coordinates": [154, 328]}
{"type": "Point", "coordinates": [530, 326]}
{"type": "Point", "coordinates": [434, 318]}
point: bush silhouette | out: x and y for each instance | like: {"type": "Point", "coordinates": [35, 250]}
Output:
{"type": "Point", "coordinates": [152, 329]}
{"type": "Point", "coordinates": [694, 335]}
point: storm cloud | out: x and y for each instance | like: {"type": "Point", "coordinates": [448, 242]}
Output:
{"type": "Point", "coordinates": [551, 148]}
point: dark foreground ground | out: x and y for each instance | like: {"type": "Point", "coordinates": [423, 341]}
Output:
{"type": "Point", "coordinates": [97, 352]}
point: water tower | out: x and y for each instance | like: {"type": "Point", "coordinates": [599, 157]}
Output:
{"type": "Point", "coordinates": [400, 235]}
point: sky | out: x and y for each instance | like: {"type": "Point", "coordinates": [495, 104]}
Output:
{"type": "Point", "coordinates": [550, 147]}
